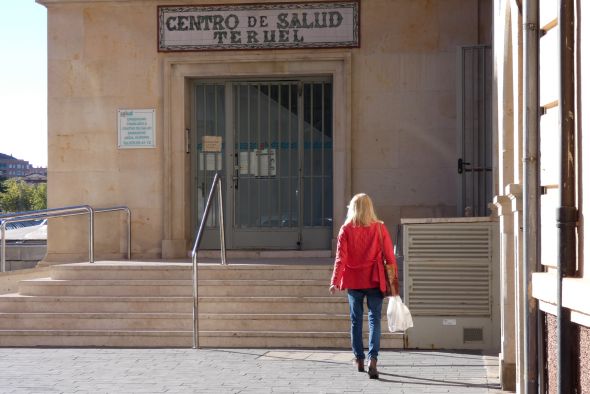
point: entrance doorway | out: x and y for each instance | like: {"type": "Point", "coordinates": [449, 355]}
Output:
{"type": "Point", "coordinates": [271, 140]}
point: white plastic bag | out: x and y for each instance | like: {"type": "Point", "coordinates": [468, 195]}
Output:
{"type": "Point", "coordinates": [398, 315]}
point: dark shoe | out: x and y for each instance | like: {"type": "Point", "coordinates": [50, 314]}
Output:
{"type": "Point", "coordinates": [360, 364]}
{"type": "Point", "coordinates": [373, 373]}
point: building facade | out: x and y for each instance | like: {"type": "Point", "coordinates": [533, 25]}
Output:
{"type": "Point", "coordinates": [540, 102]}
{"type": "Point", "coordinates": [11, 167]}
{"type": "Point", "coordinates": [294, 129]}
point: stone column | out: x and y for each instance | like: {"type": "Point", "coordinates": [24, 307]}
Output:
{"type": "Point", "coordinates": [507, 357]}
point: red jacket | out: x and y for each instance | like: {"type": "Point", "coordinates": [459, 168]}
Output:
{"type": "Point", "coordinates": [358, 263]}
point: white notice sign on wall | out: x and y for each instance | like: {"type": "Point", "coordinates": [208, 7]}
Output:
{"type": "Point", "coordinates": [137, 128]}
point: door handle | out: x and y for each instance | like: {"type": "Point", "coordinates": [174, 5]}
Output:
{"type": "Point", "coordinates": [461, 166]}
{"type": "Point", "coordinates": [236, 177]}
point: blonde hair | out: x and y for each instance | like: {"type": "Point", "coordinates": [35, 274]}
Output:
{"type": "Point", "coordinates": [361, 211]}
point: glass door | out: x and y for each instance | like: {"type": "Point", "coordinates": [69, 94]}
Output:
{"type": "Point", "coordinates": [266, 180]}
{"type": "Point", "coordinates": [276, 161]}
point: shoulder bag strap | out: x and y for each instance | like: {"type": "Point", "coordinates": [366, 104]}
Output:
{"type": "Point", "coordinates": [381, 241]}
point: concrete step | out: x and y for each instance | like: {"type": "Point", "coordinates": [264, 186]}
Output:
{"type": "Point", "coordinates": [275, 339]}
{"type": "Point", "coordinates": [269, 305]}
{"type": "Point", "coordinates": [294, 305]}
{"type": "Point", "coordinates": [175, 287]}
{"type": "Point", "coordinates": [64, 304]}
{"type": "Point", "coordinates": [303, 322]}
{"type": "Point", "coordinates": [96, 321]}
{"type": "Point", "coordinates": [128, 304]}
{"type": "Point", "coordinates": [176, 322]}
{"type": "Point", "coordinates": [104, 270]}
{"type": "Point", "coordinates": [95, 287]}
{"type": "Point", "coordinates": [95, 338]}
{"type": "Point", "coordinates": [170, 271]}
{"type": "Point", "coordinates": [102, 338]}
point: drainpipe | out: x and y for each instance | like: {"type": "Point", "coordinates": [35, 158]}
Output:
{"type": "Point", "coordinates": [566, 213]}
{"type": "Point", "coordinates": [531, 196]}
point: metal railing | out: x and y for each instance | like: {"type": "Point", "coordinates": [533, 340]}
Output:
{"type": "Point", "coordinates": [216, 184]}
{"type": "Point", "coordinates": [61, 212]}
{"type": "Point", "coordinates": [128, 212]}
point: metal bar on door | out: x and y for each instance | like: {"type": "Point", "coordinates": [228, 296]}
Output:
{"type": "Point", "coordinates": [268, 148]}
{"type": "Point", "coordinates": [278, 156]}
{"type": "Point", "coordinates": [249, 176]}
{"type": "Point", "coordinates": [322, 150]}
{"type": "Point", "coordinates": [289, 143]}
{"type": "Point", "coordinates": [300, 142]}
{"type": "Point", "coordinates": [484, 161]}
{"type": "Point", "coordinates": [237, 90]}
{"type": "Point", "coordinates": [258, 218]}
{"type": "Point", "coordinates": [215, 132]}
{"type": "Point", "coordinates": [473, 133]}
{"type": "Point", "coordinates": [463, 111]}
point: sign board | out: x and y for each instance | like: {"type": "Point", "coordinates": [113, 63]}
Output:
{"type": "Point", "coordinates": [137, 128]}
{"type": "Point", "coordinates": [211, 143]}
{"type": "Point", "coordinates": [329, 24]}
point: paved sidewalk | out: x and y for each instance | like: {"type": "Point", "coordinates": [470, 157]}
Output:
{"type": "Point", "coordinates": [240, 371]}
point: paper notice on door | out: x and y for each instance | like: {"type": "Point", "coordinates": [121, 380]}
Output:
{"type": "Point", "coordinates": [210, 161]}
{"type": "Point", "coordinates": [212, 143]}
{"type": "Point", "coordinates": [266, 162]}
{"type": "Point", "coordinates": [244, 167]}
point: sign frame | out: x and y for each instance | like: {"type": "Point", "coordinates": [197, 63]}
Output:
{"type": "Point", "coordinates": [149, 133]}
{"type": "Point", "coordinates": [296, 5]}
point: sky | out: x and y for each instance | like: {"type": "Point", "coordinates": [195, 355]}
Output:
{"type": "Point", "coordinates": [23, 80]}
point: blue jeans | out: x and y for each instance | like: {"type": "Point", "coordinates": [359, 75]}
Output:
{"type": "Point", "coordinates": [374, 302]}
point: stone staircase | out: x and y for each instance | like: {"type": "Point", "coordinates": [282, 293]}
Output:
{"type": "Point", "coordinates": [141, 304]}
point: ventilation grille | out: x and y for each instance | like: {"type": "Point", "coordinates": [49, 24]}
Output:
{"type": "Point", "coordinates": [449, 269]}
{"type": "Point", "coordinates": [448, 242]}
{"type": "Point", "coordinates": [472, 335]}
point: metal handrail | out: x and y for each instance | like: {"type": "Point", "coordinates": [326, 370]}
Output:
{"type": "Point", "coordinates": [46, 214]}
{"type": "Point", "coordinates": [62, 212]}
{"type": "Point", "coordinates": [216, 183]}
{"type": "Point", "coordinates": [128, 212]}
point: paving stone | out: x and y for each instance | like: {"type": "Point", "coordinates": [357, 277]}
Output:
{"type": "Point", "coordinates": [258, 371]}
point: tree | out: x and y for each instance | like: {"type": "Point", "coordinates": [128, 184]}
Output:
{"type": "Point", "coordinates": [39, 197]}
{"type": "Point", "coordinates": [18, 196]}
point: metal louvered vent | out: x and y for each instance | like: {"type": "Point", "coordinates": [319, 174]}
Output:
{"type": "Point", "coordinates": [449, 269]}
{"type": "Point", "coordinates": [472, 335]}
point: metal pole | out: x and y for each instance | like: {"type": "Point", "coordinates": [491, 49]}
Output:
{"type": "Point", "coordinates": [33, 215]}
{"type": "Point", "coordinates": [128, 212]}
{"type": "Point", "coordinates": [195, 304]}
{"type": "Point", "coordinates": [530, 191]}
{"type": "Point", "coordinates": [221, 224]}
{"type": "Point", "coordinates": [566, 213]}
{"type": "Point", "coordinates": [91, 234]}
{"type": "Point", "coordinates": [196, 266]}
{"type": "Point", "coordinates": [128, 234]}
{"type": "Point", "coordinates": [3, 233]}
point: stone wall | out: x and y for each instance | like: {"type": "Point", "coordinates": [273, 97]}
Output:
{"type": "Point", "coordinates": [102, 56]}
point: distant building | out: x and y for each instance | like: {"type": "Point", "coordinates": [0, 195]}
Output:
{"type": "Point", "coordinates": [11, 167]}
{"type": "Point", "coordinates": [37, 171]}
{"type": "Point", "coordinates": [34, 178]}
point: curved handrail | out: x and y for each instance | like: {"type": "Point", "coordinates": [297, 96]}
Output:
{"type": "Point", "coordinates": [62, 212]}
{"type": "Point", "coordinates": [128, 212]}
{"type": "Point", "coordinates": [46, 214]}
{"type": "Point", "coordinates": [215, 184]}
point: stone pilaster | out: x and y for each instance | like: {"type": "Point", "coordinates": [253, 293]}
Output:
{"type": "Point", "coordinates": [507, 357]}
{"type": "Point", "coordinates": [514, 193]}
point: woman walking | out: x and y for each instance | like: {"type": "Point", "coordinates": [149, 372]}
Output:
{"type": "Point", "coordinates": [363, 244]}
